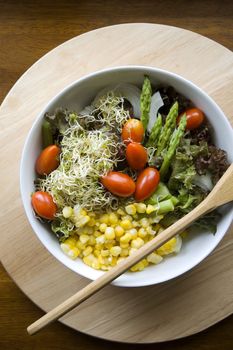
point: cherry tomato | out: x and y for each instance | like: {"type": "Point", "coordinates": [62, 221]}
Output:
{"type": "Point", "coordinates": [119, 184]}
{"type": "Point", "coordinates": [48, 160]}
{"type": "Point", "coordinates": [195, 118]}
{"type": "Point", "coordinates": [44, 205]}
{"type": "Point", "coordinates": [136, 156]}
{"type": "Point", "coordinates": [146, 183]}
{"type": "Point", "coordinates": [132, 131]}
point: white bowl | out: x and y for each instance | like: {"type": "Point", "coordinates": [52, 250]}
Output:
{"type": "Point", "coordinates": [79, 94]}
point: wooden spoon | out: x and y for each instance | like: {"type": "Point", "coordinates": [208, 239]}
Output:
{"type": "Point", "coordinates": [221, 194]}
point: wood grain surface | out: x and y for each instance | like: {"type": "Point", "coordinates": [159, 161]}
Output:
{"type": "Point", "coordinates": [27, 31]}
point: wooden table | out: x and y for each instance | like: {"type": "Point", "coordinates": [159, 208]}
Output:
{"type": "Point", "coordinates": [27, 31]}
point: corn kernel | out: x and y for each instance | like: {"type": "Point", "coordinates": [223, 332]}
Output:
{"type": "Point", "coordinates": [96, 252]}
{"type": "Point", "coordinates": [99, 246]}
{"type": "Point", "coordinates": [102, 260]}
{"type": "Point", "coordinates": [121, 212]}
{"type": "Point", "coordinates": [135, 223]}
{"type": "Point", "coordinates": [150, 209]}
{"type": "Point", "coordinates": [115, 250]}
{"type": "Point", "coordinates": [172, 246]}
{"type": "Point", "coordinates": [109, 243]}
{"type": "Point", "coordinates": [119, 231]}
{"type": "Point", "coordinates": [65, 248]}
{"type": "Point", "coordinates": [91, 223]}
{"type": "Point", "coordinates": [91, 240]}
{"type": "Point", "coordinates": [87, 230]}
{"type": "Point", "coordinates": [97, 233]}
{"type": "Point", "coordinates": [84, 238]}
{"type": "Point", "coordinates": [109, 233]}
{"type": "Point", "coordinates": [102, 227]}
{"type": "Point", "coordinates": [67, 212]}
{"type": "Point", "coordinates": [154, 258]}
{"type": "Point", "coordinates": [126, 224]}
{"type": "Point", "coordinates": [113, 218]}
{"type": "Point", "coordinates": [133, 233]}
{"type": "Point", "coordinates": [141, 207]}
{"type": "Point", "coordinates": [87, 251]}
{"type": "Point", "coordinates": [104, 219]}
{"type": "Point", "coordinates": [82, 221]}
{"type": "Point", "coordinates": [74, 253]}
{"type": "Point", "coordinates": [114, 261]}
{"type": "Point", "coordinates": [89, 259]}
{"type": "Point", "coordinates": [126, 238]}
{"type": "Point", "coordinates": [138, 267]}
{"type": "Point", "coordinates": [124, 251]}
{"type": "Point", "coordinates": [80, 246]}
{"type": "Point", "coordinates": [100, 239]}
{"type": "Point", "coordinates": [104, 252]}
{"type": "Point", "coordinates": [137, 243]}
{"type": "Point", "coordinates": [124, 245]}
{"type": "Point", "coordinates": [130, 209]}
{"type": "Point", "coordinates": [144, 222]}
{"type": "Point", "coordinates": [83, 212]}
{"type": "Point", "coordinates": [127, 217]}
{"type": "Point", "coordinates": [71, 241]}
{"type": "Point", "coordinates": [145, 262]}
{"type": "Point", "coordinates": [142, 232]}
{"type": "Point", "coordinates": [95, 265]}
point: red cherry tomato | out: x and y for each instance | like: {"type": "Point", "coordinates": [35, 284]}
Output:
{"type": "Point", "coordinates": [119, 184]}
{"type": "Point", "coordinates": [146, 183]}
{"type": "Point", "coordinates": [48, 160]}
{"type": "Point", "coordinates": [195, 118]}
{"type": "Point", "coordinates": [136, 156]}
{"type": "Point", "coordinates": [132, 131]}
{"type": "Point", "coordinates": [44, 205]}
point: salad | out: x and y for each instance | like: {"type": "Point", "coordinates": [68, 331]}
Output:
{"type": "Point", "coordinates": [112, 176]}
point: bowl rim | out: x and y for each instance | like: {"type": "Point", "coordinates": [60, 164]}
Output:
{"type": "Point", "coordinates": [46, 107]}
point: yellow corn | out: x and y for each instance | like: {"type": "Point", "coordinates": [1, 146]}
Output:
{"type": "Point", "coordinates": [133, 233]}
{"type": "Point", "coordinates": [113, 218]}
{"type": "Point", "coordinates": [102, 241]}
{"type": "Point", "coordinates": [119, 231]}
{"type": "Point", "coordinates": [137, 243]}
{"type": "Point", "coordinates": [150, 208]}
{"type": "Point", "coordinates": [115, 250]}
{"type": "Point", "coordinates": [126, 238]}
{"type": "Point", "coordinates": [131, 209]}
{"type": "Point", "coordinates": [84, 239]}
{"type": "Point", "coordinates": [154, 258]}
{"type": "Point", "coordinates": [104, 219]}
{"type": "Point", "coordinates": [87, 251]}
{"type": "Point", "coordinates": [102, 227]}
{"type": "Point", "coordinates": [109, 233]}
{"type": "Point", "coordinates": [67, 212]}
{"type": "Point", "coordinates": [126, 224]}
{"type": "Point", "coordinates": [141, 207]}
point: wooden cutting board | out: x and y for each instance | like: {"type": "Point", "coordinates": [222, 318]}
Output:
{"type": "Point", "coordinates": [175, 309]}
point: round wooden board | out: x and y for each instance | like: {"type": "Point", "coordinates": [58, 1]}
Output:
{"type": "Point", "coordinates": [158, 313]}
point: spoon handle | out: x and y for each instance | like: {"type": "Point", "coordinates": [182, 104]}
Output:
{"type": "Point", "coordinates": [221, 194]}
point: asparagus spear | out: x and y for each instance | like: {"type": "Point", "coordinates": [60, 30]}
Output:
{"type": "Point", "coordinates": [145, 101]}
{"type": "Point", "coordinates": [174, 142]}
{"type": "Point", "coordinates": [155, 131]}
{"type": "Point", "coordinates": [47, 136]}
{"type": "Point", "coordinates": [167, 130]}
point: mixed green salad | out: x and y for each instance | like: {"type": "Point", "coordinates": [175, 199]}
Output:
{"type": "Point", "coordinates": [115, 174]}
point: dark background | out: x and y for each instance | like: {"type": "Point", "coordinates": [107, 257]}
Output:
{"type": "Point", "coordinates": [28, 30]}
